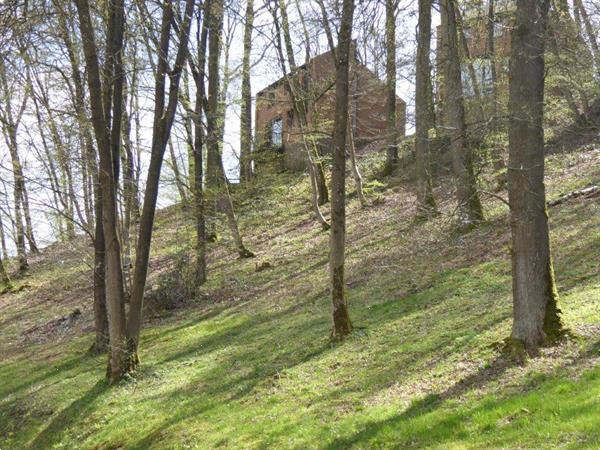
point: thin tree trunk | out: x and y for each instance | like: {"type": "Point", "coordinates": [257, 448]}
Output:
{"type": "Point", "coordinates": [101, 341]}
{"type": "Point", "coordinates": [4, 278]}
{"type": "Point", "coordinates": [469, 206]}
{"type": "Point", "coordinates": [391, 160]}
{"type": "Point", "coordinates": [536, 317]}
{"type": "Point", "coordinates": [200, 270]}
{"type": "Point", "coordinates": [10, 124]}
{"type": "Point", "coordinates": [342, 325]}
{"type": "Point", "coordinates": [498, 158]}
{"type": "Point", "coordinates": [3, 241]}
{"type": "Point", "coordinates": [358, 181]}
{"type": "Point", "coordinates": [423, 119]}
{"type": "Point", "coordinates": [246, 106]}
{"type": "Point", "coordinates": [179, 183]}
{"type": "Point", "coordinates": [163, 121]}
{"type": "Point", "coordinates": [214, 126]}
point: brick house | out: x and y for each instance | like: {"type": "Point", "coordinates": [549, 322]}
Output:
{"type": "Point", "coordinates": [277, 128]}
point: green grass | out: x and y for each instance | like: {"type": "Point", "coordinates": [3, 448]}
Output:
{"type": "Point", "coordinates": [251, 365]}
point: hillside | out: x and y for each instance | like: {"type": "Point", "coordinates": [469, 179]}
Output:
{"type": "Point", "coordinates": [250, 364]}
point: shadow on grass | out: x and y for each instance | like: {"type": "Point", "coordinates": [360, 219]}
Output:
{"type": "Point", "coordinates": [426, 405]}
{"type": "Point", "coordinates": [68, 416]}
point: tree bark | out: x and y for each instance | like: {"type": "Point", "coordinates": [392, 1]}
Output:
{"type": "Point", "coordinates": [536, 317]}
{"type": "Point", "coordinates": [342, 325]}
{"type": "Point", "coordinates": [163, 121]}
{"type": "Point", "coordinates": [469, 206]}
{"type": "Point", "coordinates": [119, 363]}
{"type": "Point", "coordinates": [423, 119]}
{"type": "Point", "coordinates": [10, 124]}
{"type": "Point", "coordinates": [498, 158]}
{"type": "Point", "coordinates": [197, 169]}
{"type": "Point", "coordinates": [246, 107]}
{"type": "Point", "coordinates": [391, 159]}
{"type": "Point", "coordinates": [4, 278]}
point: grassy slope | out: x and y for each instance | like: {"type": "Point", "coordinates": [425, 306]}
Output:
{"type": "Point", "coordinates": [251, 365]}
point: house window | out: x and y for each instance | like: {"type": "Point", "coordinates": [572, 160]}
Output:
{"type": "Point", "coordinates": [483, 75]}
{"type": "Point", "coordinates": [277, 133]}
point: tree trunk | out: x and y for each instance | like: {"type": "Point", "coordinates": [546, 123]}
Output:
{"type": "Point", "coordinates": [358, 181]}
{"type": "Point", "coordinates": [197, 168]}
{"type": "Point", "coordinates": [163, 121]}
{"type": "Point", "coordinates": [391, 159]}
{"type": "Point", "coordinates": [179, 183]}
{"type": "Point", "coordinates": [497, 156]}
{"type": "Point", "coordinates": [423, 120]}
{"type": "Point", "coordinates": [3, 241]}
{"type": "Point", "coordinates": [246, 107]}
{"type": "Point", "coordinates": [4, 278]}
{"type": "Point", "coordinates": [341, 319]}
{"type": "Point", "coordinates": [119, 363]}
{"type": "Point", "coordinates": [10, 124]}
{"type": "Point", "coordinates": [101, 341]}
{"type": "Point", "coordinates": [469, 206]}
{"type": "Point", "coordinates": [536, 317]}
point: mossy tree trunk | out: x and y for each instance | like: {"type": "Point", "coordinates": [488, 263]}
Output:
{"type": "Point", "coordinates": [342, 325]}
{"type": "Point", "coordinates": [536, 317]}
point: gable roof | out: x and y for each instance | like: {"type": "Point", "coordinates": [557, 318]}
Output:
{"type": "Point", "coordinates": [327, 54]}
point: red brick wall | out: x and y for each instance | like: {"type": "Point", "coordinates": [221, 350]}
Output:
{"type": "Point", "coordinates": [368, 105]}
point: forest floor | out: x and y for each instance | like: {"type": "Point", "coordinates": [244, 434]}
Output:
{"type": "Point", "coordinates": [249, 363]}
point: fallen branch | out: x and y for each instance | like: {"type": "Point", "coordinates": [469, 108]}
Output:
{"type": "Point", "coordinates": [496, 196]}
{"type": "Point", "coordinates": [588, 192]}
